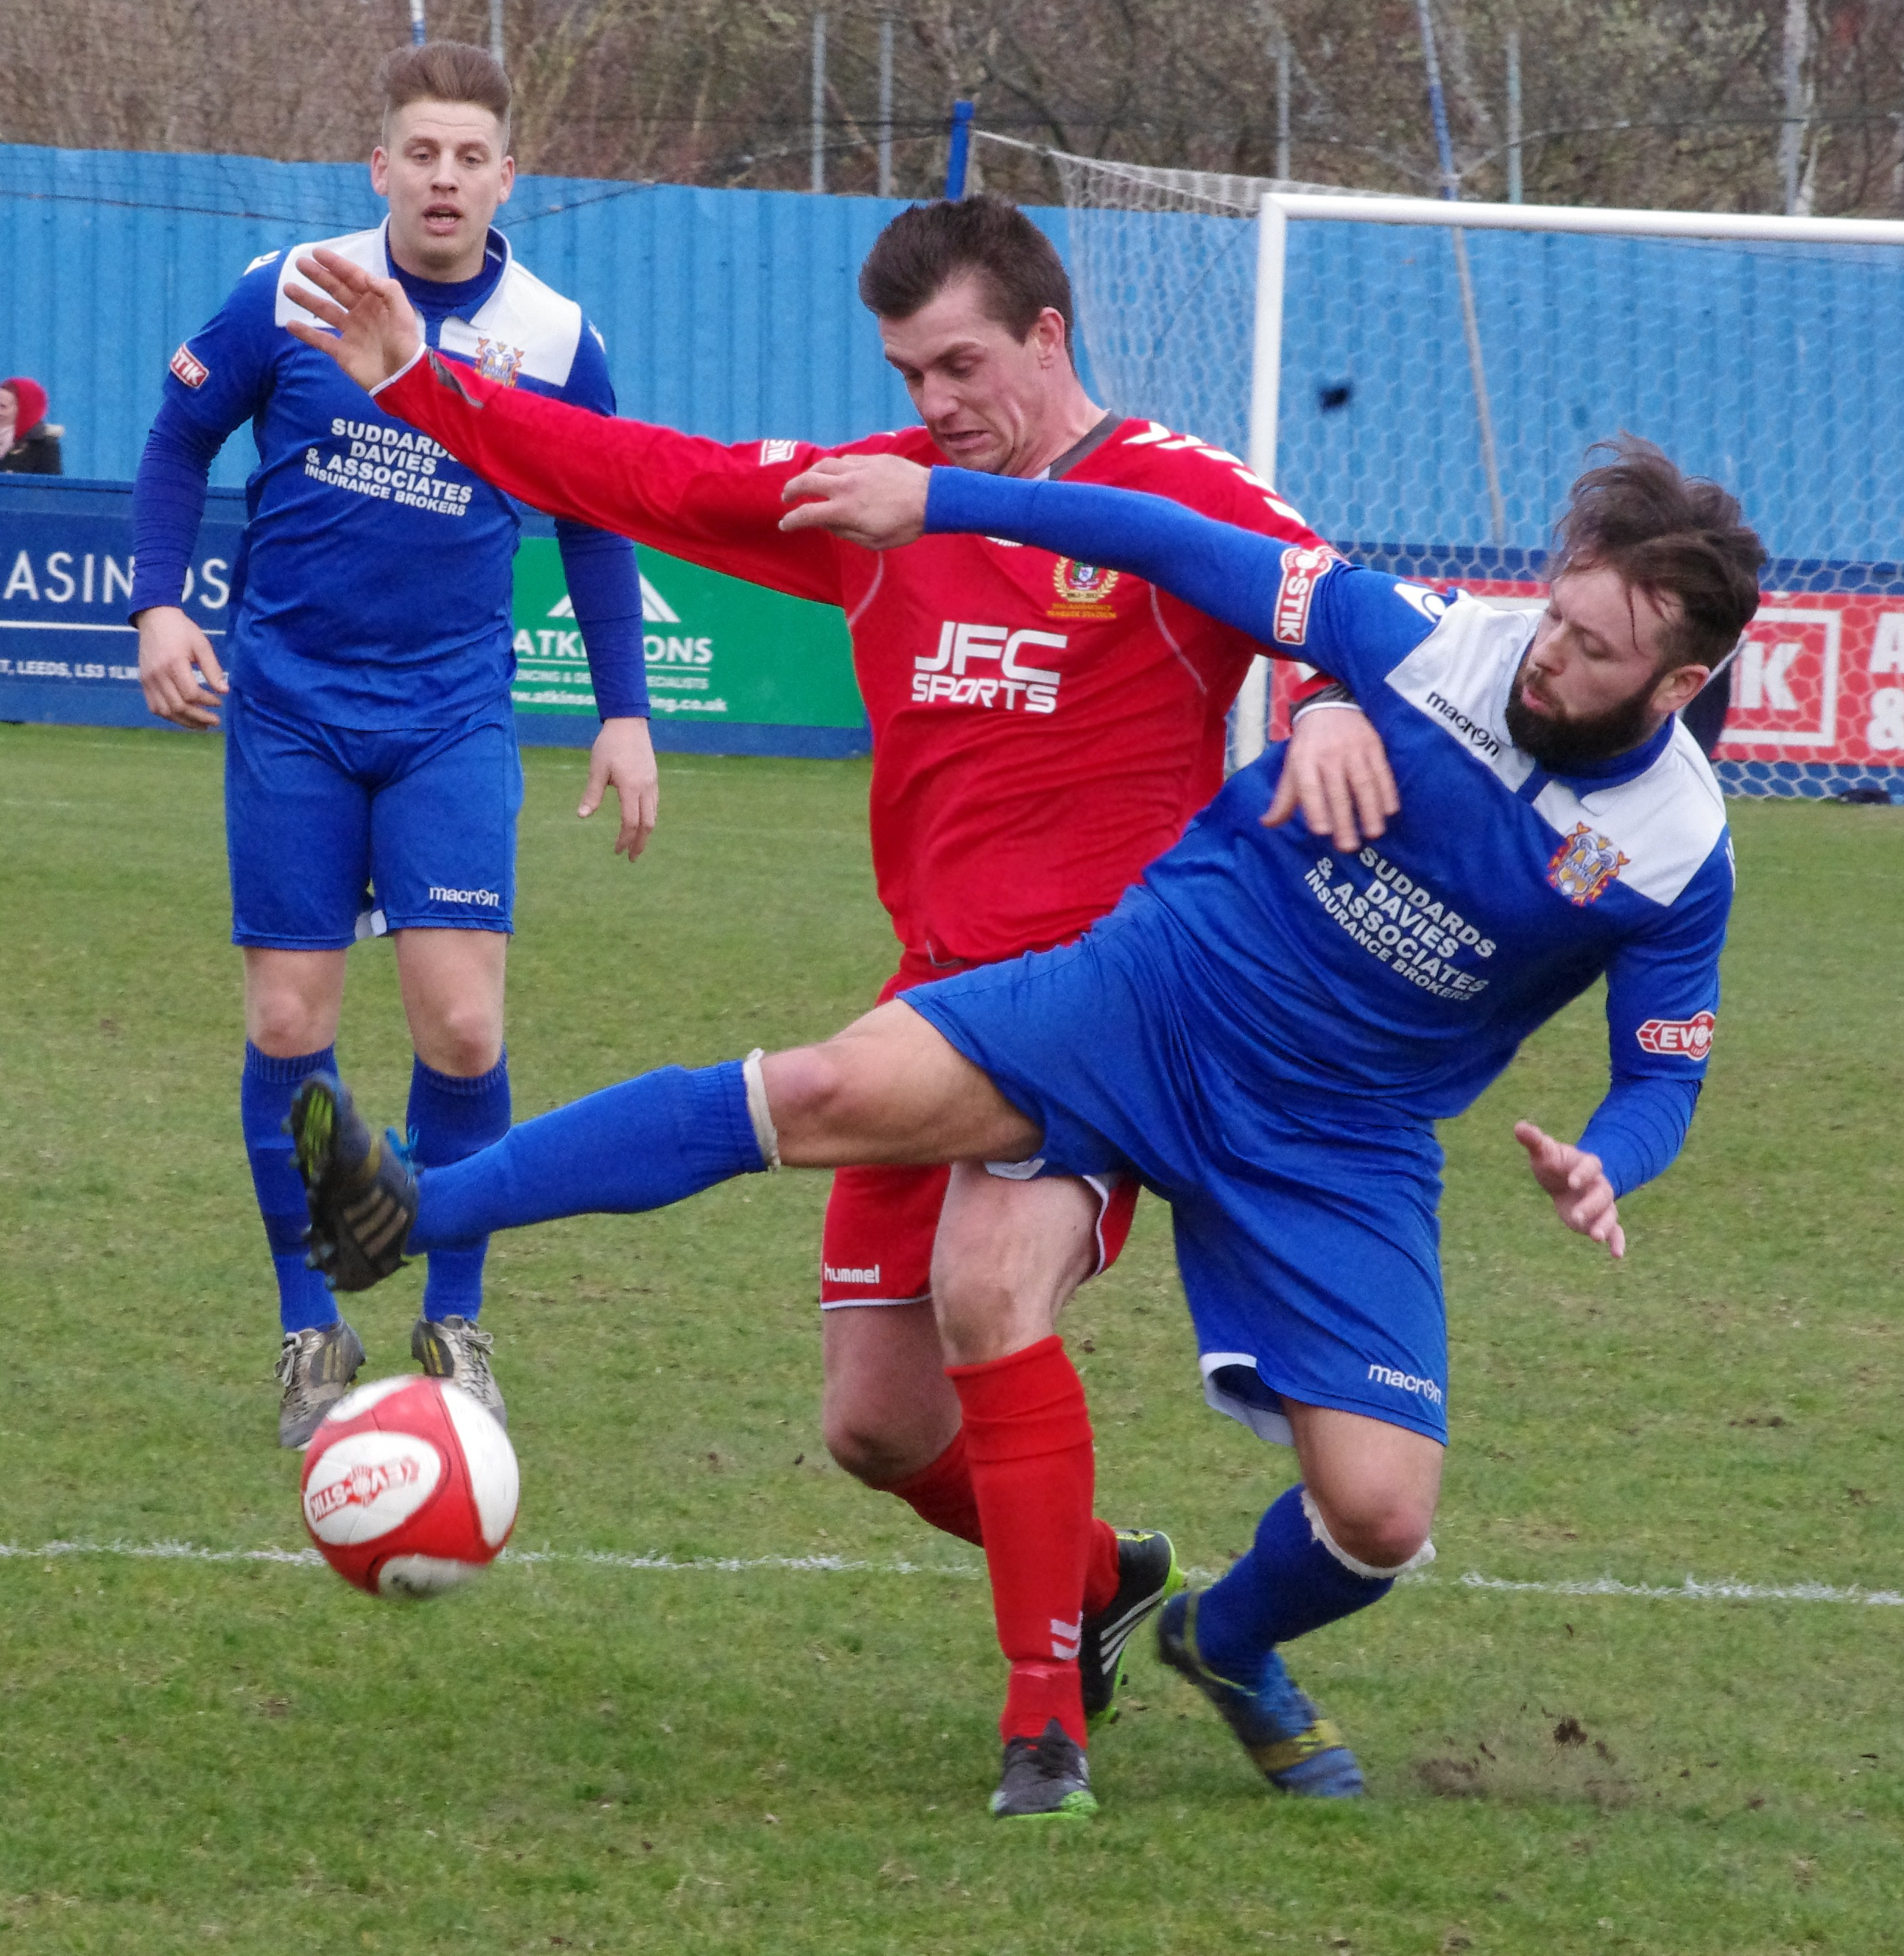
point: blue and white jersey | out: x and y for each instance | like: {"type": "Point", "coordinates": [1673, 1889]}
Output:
{"type": "Point", "coordinates": [1397, 983]}
{"type": "Point", "coordinates": [373, 586]}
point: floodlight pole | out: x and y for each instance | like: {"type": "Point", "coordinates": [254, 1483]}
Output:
{"type": "Point", "coordinates": [818, 181]}
{"type": "Point", "coordinates": [1282, 103]}
{"type": "Point", "coordinates": [496, 32]}
{"type": "Point", "coordinates": [958, 151]}
{"type": "Point", "coordinates": [886, 105]}
{"type": "Point", "coordinates": [1514, 115]}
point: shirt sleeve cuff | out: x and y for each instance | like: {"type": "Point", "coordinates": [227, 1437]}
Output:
{"type": "Point", "coordinates": [420, 355]}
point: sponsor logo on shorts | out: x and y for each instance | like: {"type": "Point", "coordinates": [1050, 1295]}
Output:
{"type": "Point", "coordinates": [845, 1274]}
{"type": "Point", "coordinates": [777, 450]}
{"type": "Point", "coordinates": [1477, 736]}
{"type": "Point", "coordinates": [189, 368]}
{"type": "Point", "coordinates": [1682, 1039]}
{"type": "Point", "coordinates": [987, 666]}
{"type": "Point", "coordinates": [1406, 1382]}
{"type": "Point", "coordinates": [1302, 571]}
{"type": "Point", "coordinates": [1585, 864]}
{"type": "Point", "coordinates": [495, 361]}
{"type": "Point", "coordinates": [488, 900]}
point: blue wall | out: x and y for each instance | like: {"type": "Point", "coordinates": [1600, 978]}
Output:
{"type": "Point", "coordinates": [726, 312]}
{"type": "Point", "coordinates": [732, 314]}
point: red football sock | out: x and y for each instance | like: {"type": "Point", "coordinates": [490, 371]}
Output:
{"type": "Point", "coordinates": [941, 1494]}
{"type": "Point", "coordinates": [1100, 1572]}
{"type": "Point", "coordinates": [1028, 1440]}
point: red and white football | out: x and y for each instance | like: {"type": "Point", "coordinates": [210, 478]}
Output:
{"type": "Point", "coordinates": [409, 1487]}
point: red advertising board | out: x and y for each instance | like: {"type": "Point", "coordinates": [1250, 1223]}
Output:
{"type": "Point", "coordinates": [1819, 676]}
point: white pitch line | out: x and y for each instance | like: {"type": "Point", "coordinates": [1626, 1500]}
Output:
{"type": "Point", "coordinates": [1691, 1590]}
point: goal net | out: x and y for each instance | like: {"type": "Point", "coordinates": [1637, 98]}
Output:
{"type": "Point", "coordinates": [1426, 395]}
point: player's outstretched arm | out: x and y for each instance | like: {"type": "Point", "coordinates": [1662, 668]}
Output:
{"type": "Point", "coordinates": [876, 500]}
{"type": "Point", "coordinates": [372, 332]}
{"type": "Point", "coordinates": [1583, 1197]}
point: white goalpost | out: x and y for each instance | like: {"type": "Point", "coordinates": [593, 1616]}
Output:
{"type": "Point", "coordinates": [1425, 398]}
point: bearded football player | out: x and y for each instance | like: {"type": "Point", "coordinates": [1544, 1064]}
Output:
{"type": "Point", "coordinates": [1266, 1030]}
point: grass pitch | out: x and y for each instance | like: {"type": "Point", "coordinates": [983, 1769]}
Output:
{"type": "Point", "coordinates": [580, 1754]}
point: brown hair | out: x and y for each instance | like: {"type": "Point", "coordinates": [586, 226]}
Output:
{"type": "Point", "coordinates": [445, 71]}
{"type": "Point", "coordinates": [924, 249]}
{"type": "Point", "coordinates": [1670, 535]}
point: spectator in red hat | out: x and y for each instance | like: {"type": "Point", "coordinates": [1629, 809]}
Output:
{"type": "Point", "coordinates": [29, 442]}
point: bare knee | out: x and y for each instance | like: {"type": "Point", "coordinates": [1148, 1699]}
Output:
{"type": "Point", "coordinates": [1380, 1527]}
{"type": "Point", "coordinates": [461, 1037]}
{"type": "Point", "coordinates": [884, 1438]}
{"type": "Point", "coordinates": [806, 1087]}
{"type": "Point", "coordinates": [286, 1027]}
{"type": "Point", "coordinates": [890, 1410]}
{"type": "Point", "coordinates": [291, 1001]}
{"type": "Point", "coordinates": [867, 1450]}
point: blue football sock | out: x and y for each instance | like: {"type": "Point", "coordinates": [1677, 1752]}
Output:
{"type": "Point", "coordinates": [1287, 1585]}
{"type": "Point", "coordinates": [449, 1119]}
{"type": "Point", "coordinates": [642, 1145]}
{"type": "Point", "coordinates": [305, 1299]}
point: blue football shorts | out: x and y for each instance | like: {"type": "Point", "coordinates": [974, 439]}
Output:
{"type": "Point", "coordinates": [322, 823]}
{"type": "Point", "coordinates": [1308, 1243]}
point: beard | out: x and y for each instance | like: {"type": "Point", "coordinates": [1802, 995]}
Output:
{"type": "Point", "coordinates": [1559, 741]}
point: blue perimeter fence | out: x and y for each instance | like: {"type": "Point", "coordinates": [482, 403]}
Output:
{"type": "Point", "coordinates": [733, 314]}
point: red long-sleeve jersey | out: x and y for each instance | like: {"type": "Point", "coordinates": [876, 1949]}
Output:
{"type": "Point", "coordinates": [1042, 728]}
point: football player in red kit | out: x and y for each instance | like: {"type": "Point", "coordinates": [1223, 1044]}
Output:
{"type": "Point", "coordinates": [1042, 728]}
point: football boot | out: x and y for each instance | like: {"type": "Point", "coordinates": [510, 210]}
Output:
{"type": "Point", "coordinates": [360, 1187]}
{"type": "Point", "coordinates": [315, 1368]}
{"type": "Point", "coordinates": [1296, 1750]}
{"type": "Point", "coordinates": [1045, 1778]}
{"type": "Point", "coordinates": [451, 1347]}
{"type": "Point", "coordinates": [1148, 1575]}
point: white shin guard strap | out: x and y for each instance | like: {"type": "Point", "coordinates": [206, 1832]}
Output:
{"type": "Point", "coordinates": [769, 1141]}
{"type": "Point", "coordinates": [1319, 1528]}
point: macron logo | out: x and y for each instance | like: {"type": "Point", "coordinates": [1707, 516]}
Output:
{"type": "Point", "coordinates": [1476, 736]}
{"type": "Point", "coordinates": [834, 1275]}
{"type": "Point", "coordinates": [1406, 1382]}
{"type": "Point", "coordinates": [488, 900]}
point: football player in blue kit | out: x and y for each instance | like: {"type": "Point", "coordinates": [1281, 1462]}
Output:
{"type": "Point", "coordinates": [1264, 1033]}
{"type": "Point", "coordinates": [370, 756]}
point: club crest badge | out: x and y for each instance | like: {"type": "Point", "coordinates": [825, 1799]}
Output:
{"type": "Point", "coordinates": [1083, 589]}
{"type": "Point", "coordinates": [495, 361]}
{"type": "Point", "coordinates": [1583, 865]}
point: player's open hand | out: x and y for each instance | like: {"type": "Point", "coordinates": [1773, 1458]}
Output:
{"type": "Point", "coordinates": [373, 332]}
{"type": "Point", "coordinates": [623, 758]}
{"type": "Point", "coordinates": [178, 672]}
{"type": "Point", "coordinates": [878, 501]}
{"type": "Point", "coordinates": [1337, 772]}
{"type": "Point", "coordinates": [1583, 1197]}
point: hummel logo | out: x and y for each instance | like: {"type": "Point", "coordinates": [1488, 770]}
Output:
{"type": "Point", "coordinates": [1067, 1638]}
{"type": "Point", "coordinates": [869, 1275]}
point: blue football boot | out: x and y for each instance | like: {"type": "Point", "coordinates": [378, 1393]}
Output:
{"type": "Point", "coordinates": [1297, 1750]}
